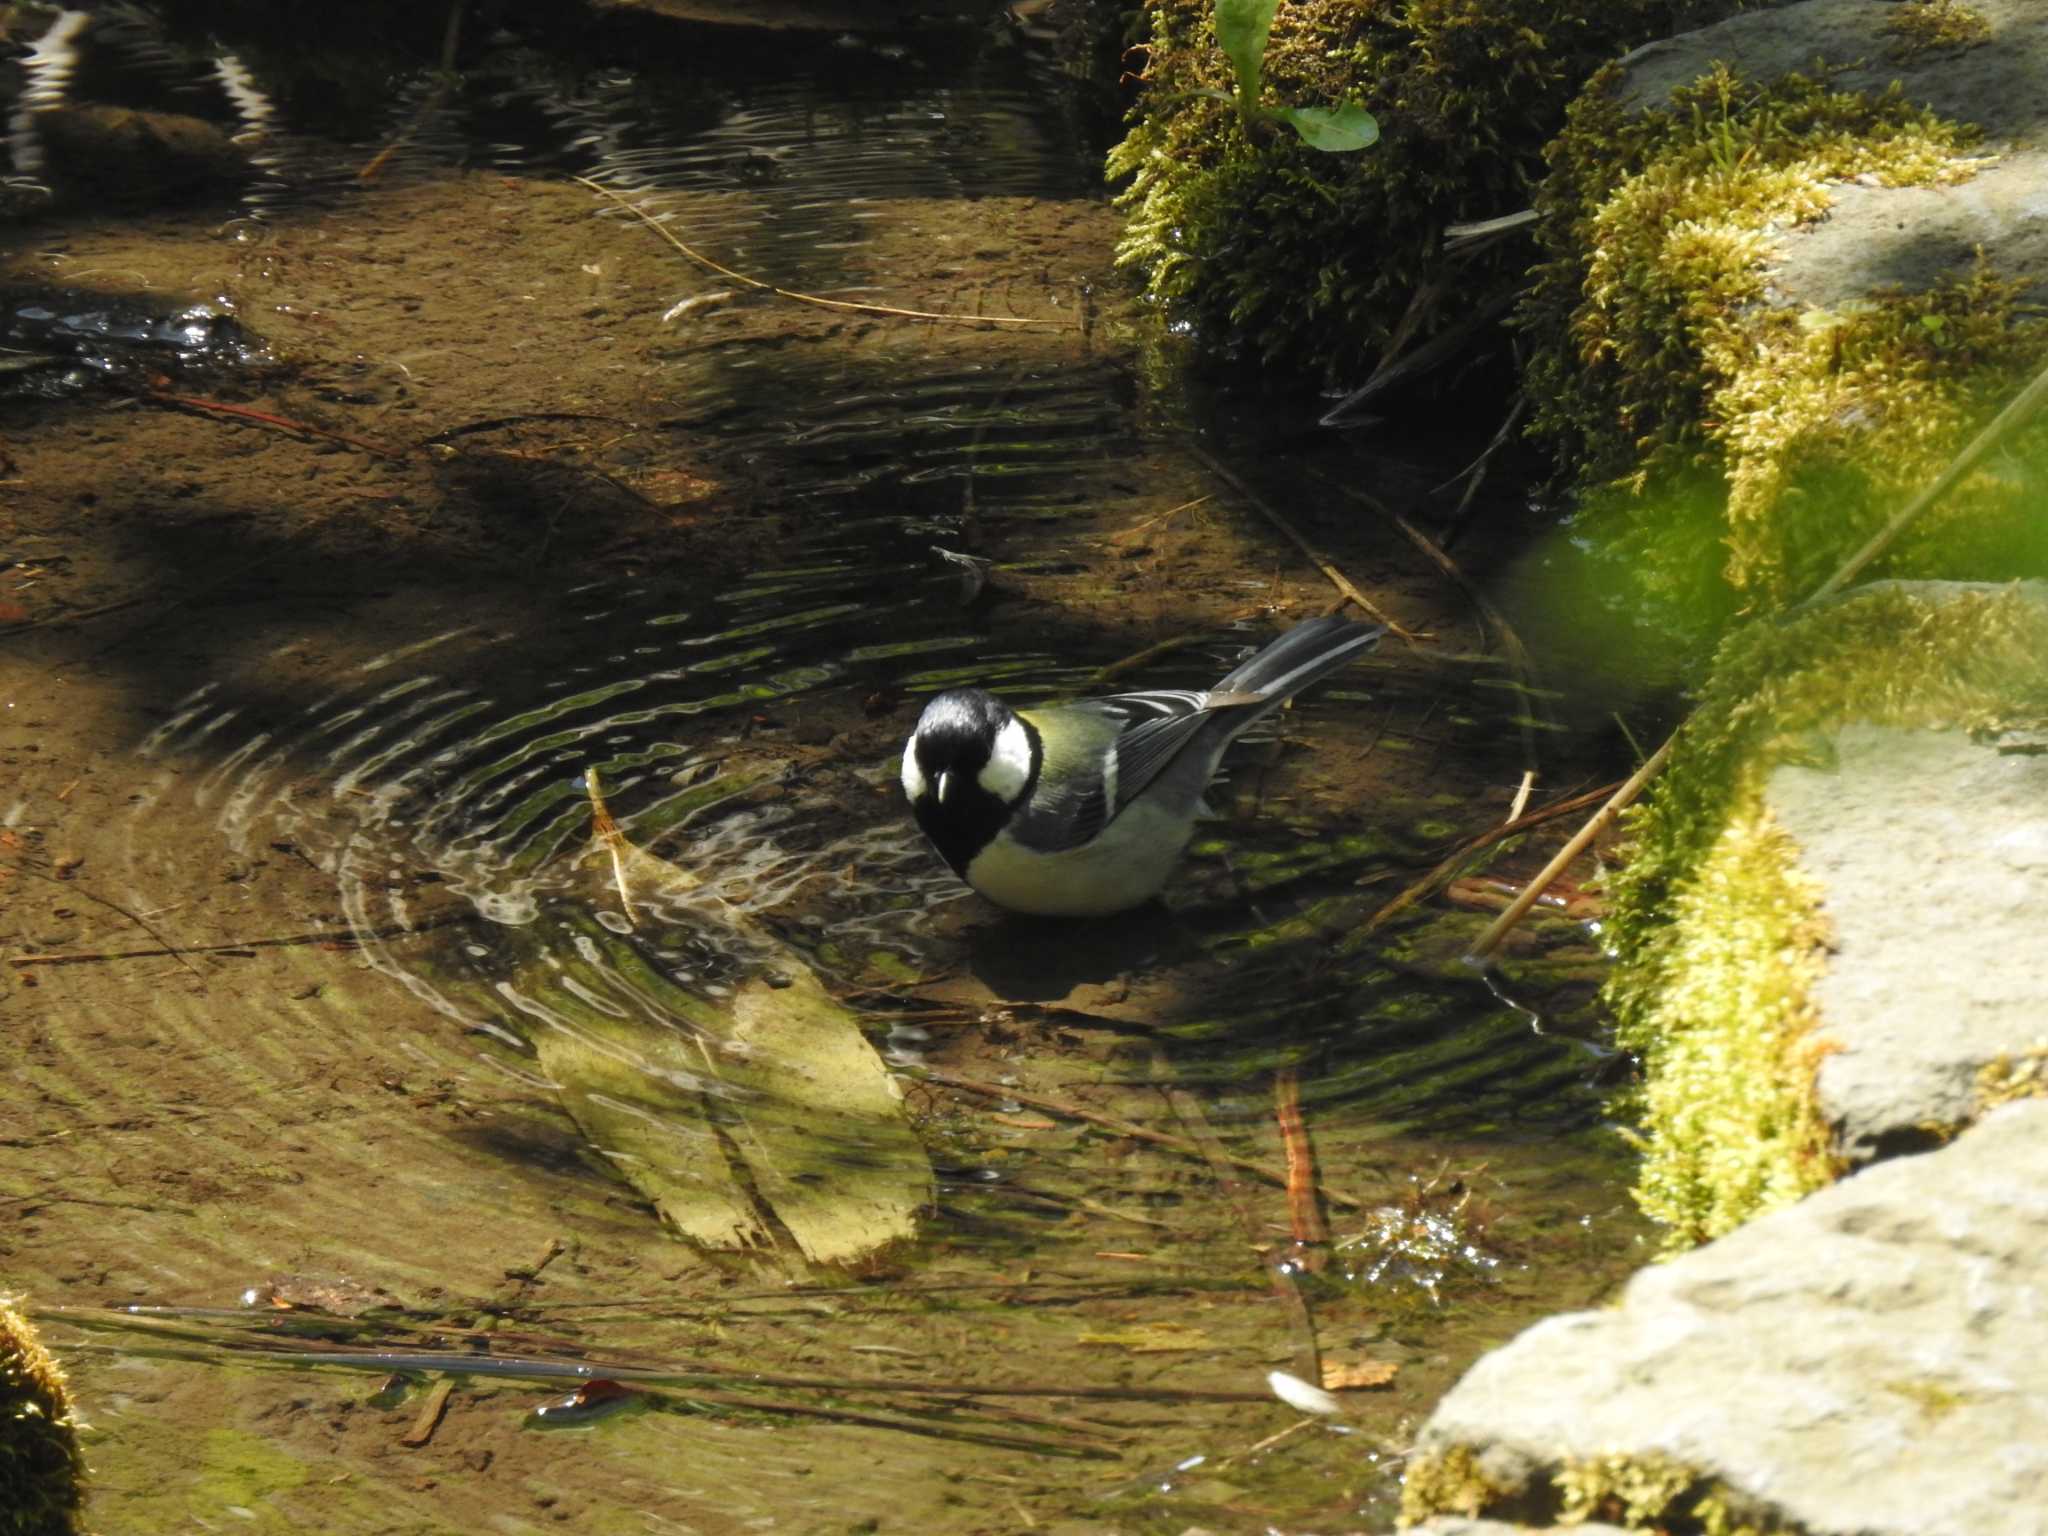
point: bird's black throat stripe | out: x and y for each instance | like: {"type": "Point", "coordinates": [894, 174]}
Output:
{"type": "Point", "coordinates": [970, 820]}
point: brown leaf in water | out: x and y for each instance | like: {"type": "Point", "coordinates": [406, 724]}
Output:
{"type": "Point", "coordinates": [1354, 1375]}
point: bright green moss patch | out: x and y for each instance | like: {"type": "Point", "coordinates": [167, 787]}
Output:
{"type": "Point", "coordinates": [1660, 365]}
{"type": "Point", "coordinates": [1718, 936]}
{"type": "Point", "coordinates": [1260, 246]}
{"type": "Point", "coordinates": [40, 1465]}
{"type": "Point", "coordinates": [1728, 1095]}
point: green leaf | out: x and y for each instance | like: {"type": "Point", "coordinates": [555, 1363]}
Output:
{"type": "Point", "coordinates": [1242, 27]}
{"type": "Point", "coordinates": [1332, 129]}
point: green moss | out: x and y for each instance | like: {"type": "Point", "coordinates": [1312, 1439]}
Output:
{"type": "Point", "coordinates": [2013, 1076]}
{"type": "Point", "coordinates": [1447, 1482]}
{"type": "Point", "coordinates": [1646, 1492]}
{"type": "Point", "coordinates": [40, 1466]}
{"type": "Point", "coordinates": [1261, 246]}
{"type": "Point", "coordinates": [1653, 1492]}
{"type": "Point", "coordinates": [1718, 937]}
{"type": "Point", "coordinates": [1658, 366]}
{"type": "Point", "coordinates": [1922, 26]}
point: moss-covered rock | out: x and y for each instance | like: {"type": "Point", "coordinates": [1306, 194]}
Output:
{"type": "Point", "coordinates": [1310, 261]}
{"type": "Point", "coordinates": [1719, 937]}
{"type": "Point", "coordinates": [1665, 367]}
{"type": "Point", "coordinates": [40, 1465]}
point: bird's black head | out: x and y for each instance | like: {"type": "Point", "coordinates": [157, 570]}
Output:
{"type": "Point", "coordinates": [968, 762]}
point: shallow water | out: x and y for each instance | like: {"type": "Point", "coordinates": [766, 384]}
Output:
{"type": "Point", "coordinates": [324, 720]}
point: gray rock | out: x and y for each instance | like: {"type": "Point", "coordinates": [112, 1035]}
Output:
{"type": "Point", "coordinates": [1909, 236]}
{"type": "Point", "coordinates": [1932, 854]}
{"type": "Point", "coordinates": [1872, 1361]}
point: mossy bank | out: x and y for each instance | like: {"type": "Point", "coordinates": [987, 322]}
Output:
{"type": "Point", "coordinates": [1311, 263]}
{"type": "Point", "coordinates": [1730, 443]}
{"type": "Point", "coordinates": [1720, 936]}
{"type": "Point", "coordinates": [40, 1464]}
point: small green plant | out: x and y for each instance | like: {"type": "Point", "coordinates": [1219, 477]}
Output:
{"type": "Point", "coordinates": [1242, 28]}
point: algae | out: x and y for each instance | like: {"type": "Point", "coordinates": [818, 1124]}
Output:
{"type": "Point", "coordinates": [41, 1468]}
{"type": "Point", "coordinates": [1718, 939]}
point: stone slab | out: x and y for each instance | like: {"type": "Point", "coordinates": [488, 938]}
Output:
{"type": "Point", "coordinates": [1872, 1361]}
{"type": "Point", "coordinates": [1877, 236]}
{"type": "Point", "coordinates": [1932, 854]}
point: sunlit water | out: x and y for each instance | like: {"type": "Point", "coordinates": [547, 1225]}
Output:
{"type": "Point", "coordinates": [438, 783]}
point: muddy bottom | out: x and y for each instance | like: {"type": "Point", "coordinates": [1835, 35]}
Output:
{"type": "Point", "coordinates": [304, 653]}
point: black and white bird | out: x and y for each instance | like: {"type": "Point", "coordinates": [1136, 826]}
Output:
{"type": "Point", "coordinates": [1081, 809]}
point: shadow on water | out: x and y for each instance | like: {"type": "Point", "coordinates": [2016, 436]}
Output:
{"type": "Point", "coordinates": [481, 1068]}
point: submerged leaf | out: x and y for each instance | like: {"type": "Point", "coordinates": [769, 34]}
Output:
{"type": "Point", "coordinates": [758, 1108]}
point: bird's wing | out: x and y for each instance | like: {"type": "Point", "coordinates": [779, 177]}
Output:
{"type": "Point", "coordinates": [1127, 741]}
{"type": "Point", "coordinates": [1156, 727]}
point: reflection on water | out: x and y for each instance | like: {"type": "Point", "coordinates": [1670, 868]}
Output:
{"type": "Point", "coordinates": [1098, 1249]}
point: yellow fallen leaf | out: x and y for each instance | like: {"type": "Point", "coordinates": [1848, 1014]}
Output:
{"type": "Point", "coordinates": [1352, 1375]}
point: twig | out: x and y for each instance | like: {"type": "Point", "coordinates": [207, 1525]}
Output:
{"type": "Point", "coordinates": [1597, 823]}
{"type": "Point", "coordinates": [168, 947]}
{"type": "Point", "coordinates": [1268, 1443]}
{"type": "Point", "coordinates": [607, 832]}
{"type": "Point", "coordinates": [286, 941]}
{"type": "Point", "coordinates": [1087, 1449]}
{"type": "Point", "coordinates": [1074, 1111]}
{"type": "Point", "coordinates": [1337, 578]}
{"type": "Point", "coordinates": [1474, 474]}
{"type": "Point", "coordinates": [701, 259]}
{"type": "Point", "coordinates": [1446, 868]}
{"type": "Point", "coordinates": [1510, 643]}
{"type": "Point", "coordinates": [1305, 1217]}
{"type": "Point", "coordinates": [266, 419]}
{"type": "Point", "coordinates": [1521, 801]}
{"type": "Point", "coordinates": [1149, 654]}
{"type": "Point", "coordinates": [430, 1413]}
{"type": "Point", "coordinates": [1395, 370]}
{"type": "Point", "coordinates": [2021, 406]}
{"type": "Point", "coordinates": [497, 423]}
{"type": "Point", "coordinates": [1135, 529]}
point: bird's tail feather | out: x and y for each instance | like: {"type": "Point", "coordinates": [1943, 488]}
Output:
{"type": "Point", "coordinates": [1298, 658]}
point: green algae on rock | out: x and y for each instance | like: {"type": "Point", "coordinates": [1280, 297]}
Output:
{"type": "Point", "coordinates": [1265, 248]}
{"type": "Point", "coordinates": [40, 1465]}
{"type": "Point", "coordinates": [1664, 367]}
{"type": "Point", "coordinates": [1719, 938]}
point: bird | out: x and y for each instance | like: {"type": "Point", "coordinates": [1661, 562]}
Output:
{"type": "Point", "coordinates": [1083, 809]}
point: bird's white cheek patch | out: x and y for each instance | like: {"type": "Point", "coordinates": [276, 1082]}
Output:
{"type": "Point", "coordinates": [1009, 763]}
{"type": "Point", "coordinates": [914, 784]}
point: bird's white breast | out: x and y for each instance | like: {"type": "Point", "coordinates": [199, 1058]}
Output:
{"type": "Point", "coordinates": [1128, 864]}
